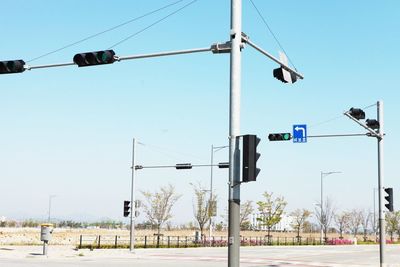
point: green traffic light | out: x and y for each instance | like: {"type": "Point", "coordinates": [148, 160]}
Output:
{"type": "Point", "coordinates": [286, 136]}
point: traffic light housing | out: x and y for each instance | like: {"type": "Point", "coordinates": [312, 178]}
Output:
{"type": "Point", "coordinates": [183, 166]}
{"type": "Point", "coordinates": [250, 157]}
{"type": "Point", "coordinates": [12, 66]}
{"type": "Point", "coordinates": [127, 207]}
{"type": "Point", "coordinates": [284, 75]}
{"type": "Point", "coordinates": [94, 58]}
{"type": "Point", "coordinates": [389, 198]}
{"type": "Point", "coordinates": [280, 137]}
{"type": "Point", "coordinates": [357, 113]}
{"type": "Point", "coordinates": [373, 124]}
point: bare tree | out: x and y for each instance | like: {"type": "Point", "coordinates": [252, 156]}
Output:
{"type": "Point", "coordinates": [158, 205]}
{"type": "Point", "coordinates": [271, 211]}
{"type": "Point", "coordinates": [342, 221]}
{"type": "Point", "coordinates": [366, 218]}
{"type": "Point", "coordinates": [245, 210]}
{"type": "Point", "coordinates": [203, 207]}
{"type": "Point", "coordinates": [300, 217]}
{"type": "Point", "coordinates": [392, 223]}
{"type": "Point", "coordinates": [355, 221]}
{"type": "Point", "coordinates": [326, 216]}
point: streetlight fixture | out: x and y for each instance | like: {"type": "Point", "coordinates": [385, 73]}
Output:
{"type": "Point", "coordinates": [213, 150]}
{"type": "Point", "coordinates": [323, 174]}
{"type": "Point", "coordinates": [50, 198]}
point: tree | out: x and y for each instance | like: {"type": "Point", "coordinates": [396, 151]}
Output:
{"type": "Point", "coordinates": [158, 205]}
{"type": "Point", "coordinates": [325, 217]}
{"type": "Point", "coordinates": [271, 211]}
{"type": "Point", "coordinates": [355, 221]}
{"type": "Point", "coordinates": [342, 221]}
{"type": "Point", "coordinates": [246, 209]}
{"type": "Point", "coordinates": [366, 218]}
{"type": "Point", "coordinates": [203, 207]}
{"type": "Point", "coordinates": [300, 217]}
{"type": "Point", "coordinates": [392, 223]}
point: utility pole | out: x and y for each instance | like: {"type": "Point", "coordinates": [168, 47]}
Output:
{"type": "Point", "coordinates": [234, 131]}
{"type": "Point", "coordinates": [133, 206]}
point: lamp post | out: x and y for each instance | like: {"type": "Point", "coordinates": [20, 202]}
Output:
{"type": "Point", "coordinates": [213, 149]}
{"type": "Point", "coordinates": [323, 174]}
{"type": "Point", "coordinates": [50, 198]}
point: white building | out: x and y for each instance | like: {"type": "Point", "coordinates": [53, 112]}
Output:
{"type": "Point", "coordinates": [283, 225]}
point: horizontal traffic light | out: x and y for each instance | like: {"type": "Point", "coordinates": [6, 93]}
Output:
{"type": "Point", "coordinates": [279, 137]}
{"type": "Point", "coordinates": [94, 58]}
{"type": "Point", "coordinates": [357, 113]}
{"type": "Point", "coordinates": [373, 124]}
{"type": "Point", "coordinates": [284, 76]}
{"type": "Point", "coordinates": [12, 66]}
{"type": "Point", "coordinates": [183, 166]}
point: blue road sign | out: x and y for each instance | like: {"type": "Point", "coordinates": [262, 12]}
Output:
{"type": "Point", "coordinates": [300, 133]}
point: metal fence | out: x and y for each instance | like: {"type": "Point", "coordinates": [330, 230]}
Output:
{"type": "Point", "coordinates": [118, 241]}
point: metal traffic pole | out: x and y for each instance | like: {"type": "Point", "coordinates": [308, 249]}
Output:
{"type": "Point", "coordinates": [234, 131]}
{"type": "Point", "coordinates": [133, 207]}
{"type": "Point", "coordinates": [382, 234]}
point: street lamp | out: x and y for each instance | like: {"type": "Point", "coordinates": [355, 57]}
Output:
{"type": "Point", "coordinates": [50, 198]}
{"type": "Point", "coordinates": [213, 149]}
{"type": "Point", "coordinates": [323, 174]}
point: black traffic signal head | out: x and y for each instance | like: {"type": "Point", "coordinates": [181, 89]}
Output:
{"type": "Point", "coordinates": [12, 66]}
{"type": "Point", "coordinates": [284, 75]}
{"type": "Point", "coordinates": [373, 124]}
{"type": "Point", "coordinates": [183, 166]}
{"type": "Point", "coordinates": [389, 198]}
{"type": "Point", "coordinates": [357, 113]}
{"type": "Point", "coordinates": [279, 137]}
{"type": "Point", "coordinates": [94, 58]}
{"type": "Point", "coordinates": [127, 208]}
{"type": "Point", "coordinates": [250, 157]}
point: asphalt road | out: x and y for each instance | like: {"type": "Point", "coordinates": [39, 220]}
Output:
{"type": "Point", "coordinates": [304, 256]}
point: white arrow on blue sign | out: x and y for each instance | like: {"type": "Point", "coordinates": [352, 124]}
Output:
{"type": "Point", "coordinates": [300, 133]}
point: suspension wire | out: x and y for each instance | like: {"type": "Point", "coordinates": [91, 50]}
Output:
{"type": "Point", "coordinates": [370, 106]}
{"type": "Point", "coordinates": [107, 30]}
{"type": "Point", "coordinates": [326, 121]}
{"type": "Point", "coordinates": [153, 24]}
{"type": "Point", "coordinates": [272, 33]}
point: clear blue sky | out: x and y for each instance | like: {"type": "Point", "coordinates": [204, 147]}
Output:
{"type": "Point", "coordinates": [68, 131]}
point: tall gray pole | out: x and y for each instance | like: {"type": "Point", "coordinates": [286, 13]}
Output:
{"type": "Point", "coordinates": [211, 194]}
{"type": "Point", "coordinates": [133, 208]}
{"type": "Point", "coordinates": [234, 131]}
{"type": "Point", "coordinates": [382, 234]}
{"type": "Point", "coordinates": [322, 207]}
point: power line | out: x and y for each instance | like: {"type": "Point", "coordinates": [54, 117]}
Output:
{"type": "Point", "coordinates": [105, 31]}
{"type": "Point", "coordinates": [272, 33]}
{"type": "Point", "coordinates": [153, 24]}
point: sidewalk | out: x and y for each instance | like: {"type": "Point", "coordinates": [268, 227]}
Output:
{"type": "Point", "coordinates": [62, 252]}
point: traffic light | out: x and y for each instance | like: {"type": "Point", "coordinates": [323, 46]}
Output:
{"type": "Point", "coordinates": [284, 75]}
{"type": "Point", "coordinates": [389, 198]}
{"type": "Point", "coordinates": [373, 124]}
{"type": "Point", "coordinates": [183, 166]}
{"type": "Point", "coordinates": [250, 157]}
{"type": "Point", "coordinates": [357, 113]}
{"type": "Point", "coordinates": [12, 66]}
{"type": "Point", "coordinates": [94, 58]}
{"type": "Point", "coordinates": [279, 137]}
{"type": "Point", "coordinates": [127, 207]}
